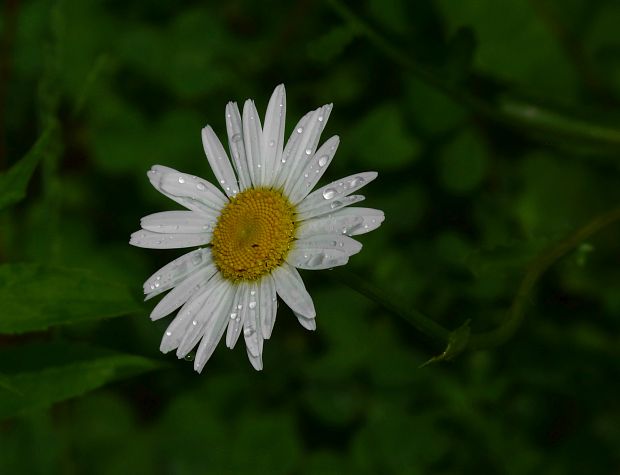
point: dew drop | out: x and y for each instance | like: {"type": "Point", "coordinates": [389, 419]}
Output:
{"type": "Point", "coordinates": [323, 160]}
{"type": "Point", "coordinates": [300, 130]}
{"type": "Point", "coordinates": [320, 118]}
{"type": "Point", "coordinates": [308, 151]}
{"type": "Point", "coordinates": [252, 305]}
{"type": "Point", "coordinates": [357, 181]}
{"type": "Point", "coordinates": [283, 160]}
{"type": "Point", "coordinates": [201, 186]}
{"type": "Point", "coordinates": [252, 292]}
{"type": "Point", "coordinates": [233, 315]}
{"type": "Point", "coordinates": [329, 193]}
{"type": "Point", "coordinates": [235, 138]}
{"type": "Point", "coordinates": [336, 204]}
{"type": "Point", "coordinates": [181, 179]}
{"type": "Point", "coordinates": [168, 333]}
{"type": "Point", "coordinates": [248, 332]}
{"type": "Point", "coordinates": [189, 357]}
{"type": "Point", "coordinates": [272, 143]}
{"type": "Point", "coordinates": [239, 307]}
{"type": "Point", "coordinates": [194, 322]}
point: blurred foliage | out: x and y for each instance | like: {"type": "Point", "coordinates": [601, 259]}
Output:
{"type": "Point", "coordinates": [495, 130]}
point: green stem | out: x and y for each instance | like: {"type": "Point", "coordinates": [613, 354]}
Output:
{"type": "Point", "coordinates": [516, 313]}
{"type": "Point", "coordinates": [420, 321]}
{"type": "Point", "coordinates": [535, 270]}
{"type": "Point", "coordinates": [540, 122]}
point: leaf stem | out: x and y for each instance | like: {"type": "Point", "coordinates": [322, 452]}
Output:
{"type": "Point", "coordinates": [516, 313]}
{"type": "Point", "coordinates": [420, 321]}
{"type": "Point", "coordinates": [539, 121]}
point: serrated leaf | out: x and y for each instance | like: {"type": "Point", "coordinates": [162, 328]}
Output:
{"type": "Point", "coordinates": [51, 372]}
{"type": "Point", "coordinates": [35, 297]}
{"type": "Point", "coordinates": [13, 183]}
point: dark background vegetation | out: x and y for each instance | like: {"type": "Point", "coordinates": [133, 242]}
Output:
{"type": "Point", "coordinates": [494, 127]}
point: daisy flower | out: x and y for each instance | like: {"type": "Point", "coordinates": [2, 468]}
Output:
{"type": "Point", "coordinates": [266, 223]}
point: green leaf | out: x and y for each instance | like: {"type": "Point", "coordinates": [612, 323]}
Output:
{"type": "Point", "coordinates": [457, 342]}
{"type": "Point", "coordinates": [13, 183]}
{"type": "Point", "coordinates": [463, 163]}
{"type": "Point", "coordinates": [545, 68]}
{"type": "Point", "coordinates": [381, 140]}
{"type": "Point", "coordinates": [6, 385]}
{"type": "Point", "coordinates": [35, 297]}
{"type": "Point", "coordinates": [51, 372]}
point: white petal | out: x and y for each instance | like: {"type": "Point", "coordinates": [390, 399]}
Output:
{"type": "Point", "coordinates": [237, 314]}
{"type": "Point", "coordinates": [214, 310]}
{"type": "Point", "coordinates": [291, 289]}
{"type": "Point", "coordinates": [268, 305]}
{"type": "Point", "coordinates": [291, 146]}
{"type": "Point", "coordinates": [322, 251]}
{"type": "Point", "coordinates": [306, 146]}
{"type": "Point", "coordinates": [184, 222]}
{"type": "Point", "coordinates": [178, 327]}
{"type": "Point", "coordinates": [314, 170]}
{"type": "Point", "coordinates": [183, 292]}
{"type": "Point", "coordinates": [252, 137]}
{"type": "Point", "coordinates": [151, 240]}
{"type": "Point", "coordinates": [335, 191]}
{"type": "Point", "coordinates": [348, 221]}
{"type": "Point", "coordinates": [234, 127]}
{"type": "Point", "coordinates": [328, 207]}
{"type": "Point", "coordinates": [190, 191]}
{"type": "Point", "coordinates": [174, 272]}
{"type": "Point", "coordinates": [307, 323]}
{"type": "Point", "coordinates": [257, 361]}
{"type": "Point", "coordinates": [251, 325]}
{"type": "Point", "coordinates": [273, 135]}
{"type": "Point", "coordinates": [219, 161]}
{"type": "Point", "coordinates": [215, 327]}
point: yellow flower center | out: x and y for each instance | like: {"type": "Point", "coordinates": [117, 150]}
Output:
{"type": "Point", "coordinates": [253, 234]}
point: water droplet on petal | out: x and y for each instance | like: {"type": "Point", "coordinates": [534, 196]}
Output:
{"type": "Point", "coordinates": [201, 186]}
{"type": "Point", "coordinates": [235, 138]}
{"type": "Point", "coordinates": [252, 305]}
{"type": "Point", "coordinates": [233, 315]}
{"type": "Point", "coordinates": [240, 306]}
{"type": "Point", "coordinates": [181, 179]}
{"type": "Point", "coordinates": [168, 333]}
{"type": "Point", "coordinates": [194, 322]}
{"type": "Point", "coordinates": [252, 292]}
{"type": "Point", "coordinates": [308, 151]}
{"type": "Point", "coordinates": [248, 332]}
{"type": "Point", "coordinates": [323, 160]}
{"type": "Point", "coordinates": [272, 143]}
{"type": "Point", "coordinates": [357, 181]}
{"type": "Point", "coordinates": [300, 130]}
{"type": "Point", "coordinates": [189, 357]}
{"type": "Point", "coordinates": [329, 193]}
{"type": "Point", "coordinates": [336, 204]}
{"type": "Point", "coordinates": [320, 118]}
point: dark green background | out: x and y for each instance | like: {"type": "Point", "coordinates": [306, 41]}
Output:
{"type": "Point", "coordinates": [494, 127]}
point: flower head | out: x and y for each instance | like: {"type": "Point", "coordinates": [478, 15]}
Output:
{"type": "Point", "coordinates": [267, 223]}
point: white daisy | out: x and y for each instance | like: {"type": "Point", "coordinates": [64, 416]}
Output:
{"type": "Point", "coordinates": [266, 224]}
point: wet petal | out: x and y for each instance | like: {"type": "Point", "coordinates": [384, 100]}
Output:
{"type": "Point", "coordinates": [219, 161]}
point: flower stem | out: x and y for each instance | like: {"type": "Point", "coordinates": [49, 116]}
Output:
{"type": "Point", "coordinates": [535, 270]}
{"type": "Point", "coordinates": [516, 313]}
{"type": "Point", "coordinates": [420, 321]}
{"type": "Point", "coordinates": [539, 121]}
